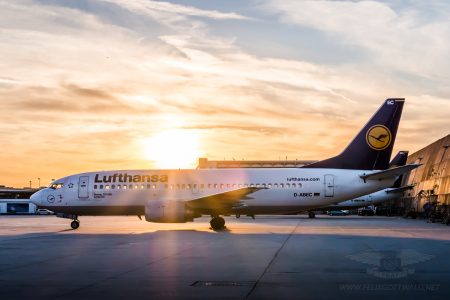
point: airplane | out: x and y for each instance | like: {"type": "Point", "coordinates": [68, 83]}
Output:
{"type": "Point", "coordinates": [379, 197]}
{"type": "Point", "coordinates": [178, 196]}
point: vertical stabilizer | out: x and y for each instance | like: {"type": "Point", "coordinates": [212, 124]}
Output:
{"type": "Point", "coordinates": [372, 147]}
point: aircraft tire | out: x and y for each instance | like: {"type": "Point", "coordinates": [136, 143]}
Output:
{"type": "Point", "coordinates": [311, 215]}
{"type": "Point", "coordinates": [217, 223]}
{"type": "Point", "coordinates": [75, 224]}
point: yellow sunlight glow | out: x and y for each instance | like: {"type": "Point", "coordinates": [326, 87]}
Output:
{"type": "Point", "coordinates": [173, 149]}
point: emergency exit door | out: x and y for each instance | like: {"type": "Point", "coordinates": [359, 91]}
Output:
{"type": "Point", "coordinates": [83, 185]}
{"type": "Point", "coordinates": [329, 186]}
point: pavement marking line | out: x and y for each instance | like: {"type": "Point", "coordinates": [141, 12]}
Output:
{"type": "Point", "coordinates": [272, 260]}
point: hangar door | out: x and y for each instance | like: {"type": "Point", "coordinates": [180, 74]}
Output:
{"type": "Point", "coordinates": [83, 184]}
{"type": "Point", "coordinates": [329, 186]}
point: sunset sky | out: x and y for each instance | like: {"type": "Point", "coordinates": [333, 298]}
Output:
{"type": "Point", "coordinates": [124, 84]}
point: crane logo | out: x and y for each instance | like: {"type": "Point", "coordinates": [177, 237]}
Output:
{"type": "Point", "coordinates": [51, 198]}
{"type": "Point", "coordinates": [378, 137]}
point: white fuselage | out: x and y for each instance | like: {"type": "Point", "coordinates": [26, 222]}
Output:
{"type": "Point", "coordinates": [366, 200]}
{"type": "Point", "coordinates": [127, 192]}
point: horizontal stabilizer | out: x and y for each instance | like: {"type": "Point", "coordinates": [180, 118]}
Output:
{"type": "Point", "coordinates": [400, 189]}
{"type": "Point", "coordinates": [390, 173]}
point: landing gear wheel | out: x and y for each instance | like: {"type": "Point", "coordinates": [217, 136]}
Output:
{"type": "Point", "coordinates": [311, 215]}
{"type": "Point", "coordinates": [75, 224]}
{"type": "Point", "coordinates": [217, 223]}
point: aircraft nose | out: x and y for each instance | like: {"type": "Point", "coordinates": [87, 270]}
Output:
{"type": "Point", "coordinates": [36, 198]}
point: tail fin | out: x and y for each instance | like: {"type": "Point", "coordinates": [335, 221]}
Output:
{"type": "Point", "coordinates": [372, 147]}
{"type": "Point", "coordinates": [398, 161]}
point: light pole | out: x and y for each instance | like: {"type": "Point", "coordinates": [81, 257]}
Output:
{"type": "Point", "coordinates": [39, 180]}
{"type": "Point", "coordinates": [30, 184]}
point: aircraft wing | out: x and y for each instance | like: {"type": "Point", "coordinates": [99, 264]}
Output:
{"type": "Point", "coordinates": [389, 173]}
{"type": "Point", "coordinates": [400, 189]}
{"type": "Point", "coordinates": [222, 201]}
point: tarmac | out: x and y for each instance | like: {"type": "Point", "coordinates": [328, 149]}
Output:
{"type": "Point", "coordinates": [272, 257]}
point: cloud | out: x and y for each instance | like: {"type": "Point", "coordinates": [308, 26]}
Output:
{"type": "Point", "coordinates": [82, 85]}
{"type": "Point", "coordinates": [403, 38]}
{"type": "Point", "coordinates": [155, 8]}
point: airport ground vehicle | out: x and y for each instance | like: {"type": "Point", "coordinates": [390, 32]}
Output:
{"type": "Point", "coordinates": [178, 196]}
{"type": "Point", "coordinates": [365, 211]}
{"type": "Point", "coordinates": [338, 213]}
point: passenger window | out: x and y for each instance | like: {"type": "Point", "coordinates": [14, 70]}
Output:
{"type": "Point", "coordinates": [281, 185]}
{"type": "Point", "coordinates": [246, 185]}
{"type": "Point", "coordinates": [95, 186]}
{"type": "Point", "coordinates": [183, 186]}
{"type": "Point", "coordinates": [124, 187]}
{"type": "Point", "coordinates": [239, 185]}
{"type": "Point", "coordinates": [293, 185]}
{"type": "Point", "coordinates": [166, 186]}
{"type": "Point", "coordinates": [299, 185]}
{"type": "Point", "coordinates": [216, 186]}
{"type": "Point", "coordinates": [202, 186]}
{"type": "Point", "coordinates": [288, 185]}
{"type": "Point", "coordinates": [178, 186]}
{"type": "Point", "coordinates": [264, 185]}
{"type": "Point", "coordinates": [113, 187]}
{"type": "Point", "coordinates": [107, 187]}
{"type": "Point", "coordinates": [154, 186]}
{"type": "Point", "coordinates": [269, 185]}
{"type": "Point", "coordinates": [118, 186]}
{"type": "Point", "coordinates": [221, 186]}
{"type": "Point", "coordinates": [275, 185]}
{"type": "Point", "coordinates": [101, 186]}
{"type": "Point", "coordinates": [228, 186]}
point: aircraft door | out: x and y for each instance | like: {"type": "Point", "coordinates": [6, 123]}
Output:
{"type": "Point", "coordinates": [329, 185]}
{"type": "Point", "coordinates": [83, 187]}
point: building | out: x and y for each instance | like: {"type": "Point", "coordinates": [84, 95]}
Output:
{"type": "Point", "coordinates": [204, 163]}
{"type": "Point", "coordinates": [16, 201]}
{"type": "Point", "coordinates": [432, 179]}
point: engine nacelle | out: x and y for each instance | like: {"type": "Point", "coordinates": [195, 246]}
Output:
{"type": "Point", "coordinates": [168, 212]}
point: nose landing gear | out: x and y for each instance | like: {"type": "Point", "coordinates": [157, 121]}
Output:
{"type": "Point", "coordinates": [75, 222]}
{"type": "Point", "coordinates": [311, 215]}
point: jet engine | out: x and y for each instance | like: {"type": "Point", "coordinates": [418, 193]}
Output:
{"type": "Point", "coordinates": [168, 212]}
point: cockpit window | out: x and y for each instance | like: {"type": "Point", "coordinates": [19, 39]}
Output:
{"type": "Point", "coordinates": [56, 185]}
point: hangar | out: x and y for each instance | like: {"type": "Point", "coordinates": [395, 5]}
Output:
{"type": "Point", "coordinates": [432, 179]}
{"type": "Point", "coordinates": [16, 201]}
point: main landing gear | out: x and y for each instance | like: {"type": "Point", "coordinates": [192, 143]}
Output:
{"type": "Point", "coordinates": [217, 223]}
{"type": "Point", "coordinates": [311, 215]}
{"type": "Point", "coordinates": [75, 222]}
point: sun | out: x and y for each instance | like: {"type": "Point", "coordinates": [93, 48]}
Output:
{"type": "Point", "coordinates": [173, 149]}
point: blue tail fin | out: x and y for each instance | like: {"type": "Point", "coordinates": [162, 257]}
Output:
{"type": "Point", "coordinates": [371, 149]}
{"type": "Point", "coordinates": [398, 161]}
